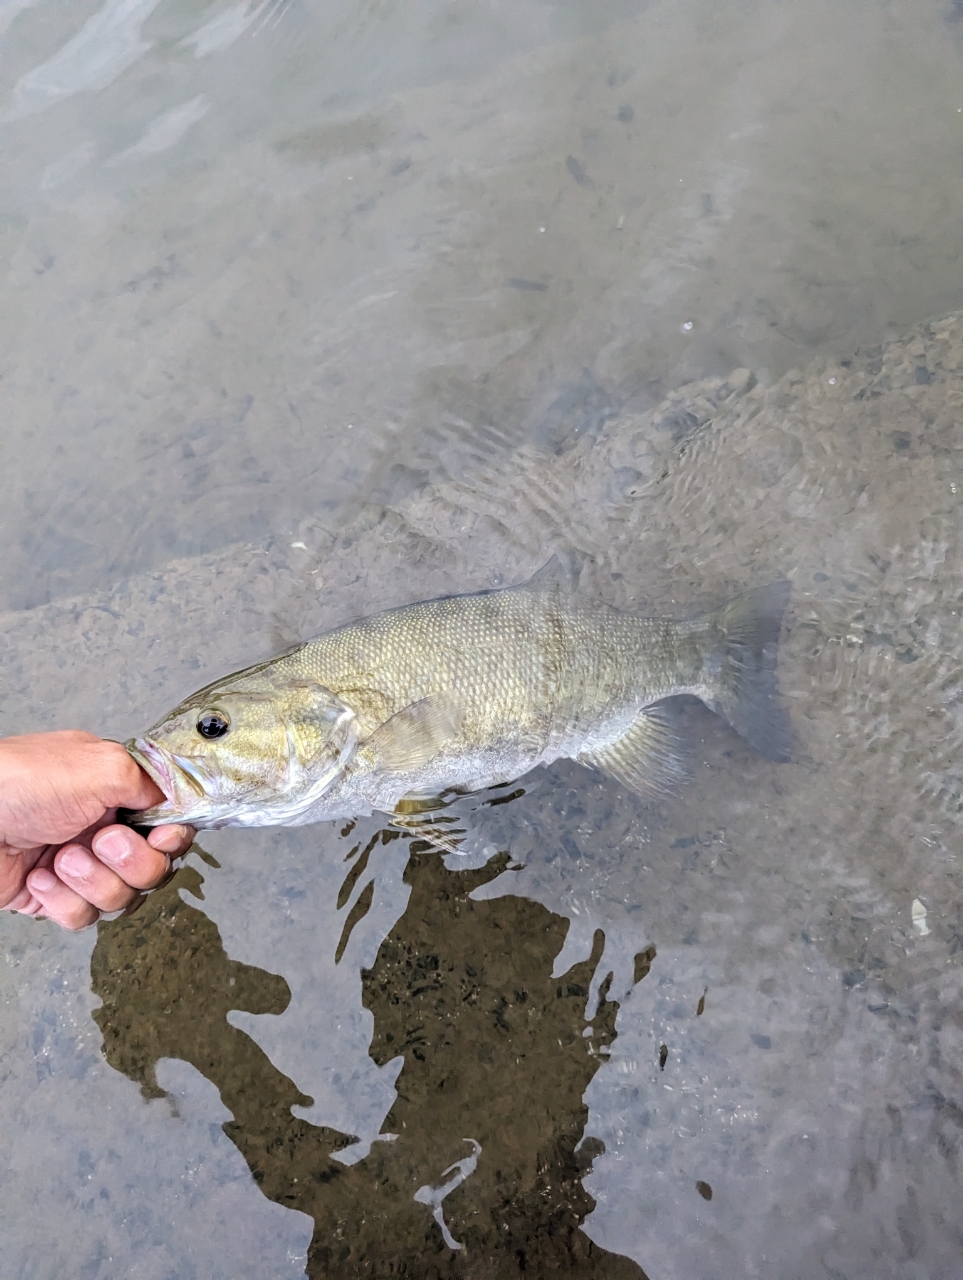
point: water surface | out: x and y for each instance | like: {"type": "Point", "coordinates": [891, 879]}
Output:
{"type": "Point", "coordinates": [309, 312]}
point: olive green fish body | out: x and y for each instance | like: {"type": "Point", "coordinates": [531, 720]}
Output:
{"type": "Point", "coordinates": [518, 678]}
{"type": "Point", "coordinates": [459, 694]}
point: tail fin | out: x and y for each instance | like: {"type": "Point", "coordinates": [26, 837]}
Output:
{"type": "Point", "coordinates": [743, 667]}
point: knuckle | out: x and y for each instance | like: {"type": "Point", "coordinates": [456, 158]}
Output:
{"type": "Point", "coordinates": [116, 898]}
{"type": "Point", "coordinates": [78, 917]}
{"type": "Point", "coordinates": [19, 900]}
{"type": "Point", "coordinates": [159, 874]}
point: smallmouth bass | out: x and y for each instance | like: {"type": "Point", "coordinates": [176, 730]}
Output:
{"type": "Point", "coordinates": [459, 694]}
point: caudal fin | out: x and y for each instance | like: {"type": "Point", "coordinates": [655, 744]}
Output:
{"type": "Point", "coordinates": [743, 666]}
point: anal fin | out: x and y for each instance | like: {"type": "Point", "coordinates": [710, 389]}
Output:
{"type": "Point", "coordinates": [650, 758]}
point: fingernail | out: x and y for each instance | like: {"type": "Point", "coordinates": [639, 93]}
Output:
{"type": "Point", "coordinates": [166, 839]}
{"type": "Point", "coordinates": [113, 845]}
{"type": "Point", "coordinates": [75, 862]}
{"type": "Point", "coordinates": [41, 880]}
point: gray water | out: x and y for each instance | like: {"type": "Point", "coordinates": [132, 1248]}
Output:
{"type": "Point", "coordinates": [313, 310]}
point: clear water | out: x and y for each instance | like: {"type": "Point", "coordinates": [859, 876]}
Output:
{"type": "Point", "coordinates": [313, 310]}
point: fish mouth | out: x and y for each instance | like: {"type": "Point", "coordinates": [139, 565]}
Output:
{"type": "Point", "coordinates": [167, 771]}
{"type": "Point", "coordinates": [155, 764]}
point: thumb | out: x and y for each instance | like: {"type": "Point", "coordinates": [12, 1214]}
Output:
{"type": "Point", "coordinates": [130, 787]}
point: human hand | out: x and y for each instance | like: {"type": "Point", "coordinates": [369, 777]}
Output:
{"type": "Point", "coordinates": [61, 853]}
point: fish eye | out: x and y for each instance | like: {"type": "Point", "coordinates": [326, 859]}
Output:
{"type": "Point", "coordinates": [213, 725]}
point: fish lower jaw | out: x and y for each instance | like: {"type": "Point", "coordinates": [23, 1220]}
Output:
{"type": "Point", "coordinates": [159, 816]}
{"type": "Point", "coordinates": [204, 820]}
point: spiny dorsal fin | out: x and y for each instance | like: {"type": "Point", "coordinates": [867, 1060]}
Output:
{"type": "Point", "coordinates": [416, 734]}
{"type": "Point", "coordinates": [650, 758]}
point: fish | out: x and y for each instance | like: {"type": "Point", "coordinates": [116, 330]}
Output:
{"type": "Point", "coordinates": [458, 694]}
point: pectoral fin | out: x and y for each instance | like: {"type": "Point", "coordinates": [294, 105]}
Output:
{"type": "Point", "coordinates": [650, 758]}
{"type": "Point", "coordinates": [416, 735]}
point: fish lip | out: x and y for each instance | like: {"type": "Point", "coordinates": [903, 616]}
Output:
{"type": "Point", "coordinates": [155, 764]}
{"type": "Point", "coordinates": [171, 775]}
{"type": "Point", "coordinates": [165, 767]}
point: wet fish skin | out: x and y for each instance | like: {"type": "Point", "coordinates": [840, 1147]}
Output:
{"type": "Point", "coordinates": [463, 693]}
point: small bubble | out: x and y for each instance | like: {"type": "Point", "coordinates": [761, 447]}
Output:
{"type": "Point", "coordinates": [350, 425]}
{"type": "Point", "coordinates": [952, 488]}
{"type": "Point", "coordinates": [832, 382]}
{"type": "Point", "coordinates": [686, 327]}
{"type": "Point", "coordinates": [541, 229]}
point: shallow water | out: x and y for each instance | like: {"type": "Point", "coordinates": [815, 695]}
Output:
{"type": "Point", "coordinates": [307, 313]}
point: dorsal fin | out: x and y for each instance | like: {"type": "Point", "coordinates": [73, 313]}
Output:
{"type": "Point", "coordinates": [560, 573]}
{"type": "Point", "coordinates": [650, 757]}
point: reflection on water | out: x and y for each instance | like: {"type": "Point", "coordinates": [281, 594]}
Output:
{"type": "Point", "coordinates": [497, 1055]}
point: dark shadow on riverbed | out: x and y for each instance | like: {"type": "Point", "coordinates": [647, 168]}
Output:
{"type": "Point", "coordinates": [497, 1058]}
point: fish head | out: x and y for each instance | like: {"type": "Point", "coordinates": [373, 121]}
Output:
{"type": "Point", "coordinates": [249, 750]}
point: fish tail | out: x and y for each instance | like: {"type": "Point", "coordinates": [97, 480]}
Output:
{"type": "Point", "coordinates": [740, 668]}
